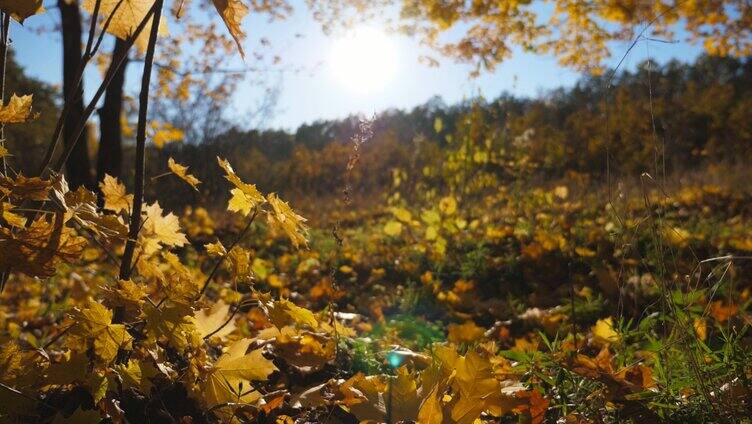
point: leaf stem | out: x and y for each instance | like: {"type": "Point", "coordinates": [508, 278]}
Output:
{"type": "Point", "coordinates": [230, 318]}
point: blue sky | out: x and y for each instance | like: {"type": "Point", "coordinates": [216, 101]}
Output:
{"type": "Point", "coordinates": [316, 93]}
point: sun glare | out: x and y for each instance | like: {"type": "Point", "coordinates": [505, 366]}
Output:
{"type": "Point", "coordinates": [364, 60]}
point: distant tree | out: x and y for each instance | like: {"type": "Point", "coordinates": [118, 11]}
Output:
{"type": "Point", "coordinates": [78, 167]}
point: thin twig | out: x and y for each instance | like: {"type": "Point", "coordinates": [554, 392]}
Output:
{"type": "Point", "coordinates": [138, 194]}
{"type": "Point", "coordinates": [229, 249]}
{"type": "Point", "coordinates": [230, 318]}
{"type": "Point", "coordinates": [93, 28]}
{"type": "Point", "coordinates": [57, 337]}
{"type": "Point", "coordinates": [23, 395]}
{"type": "Point", "coordinates": [3, 62]}
{"type": "Point", "coordinates": [4, 274]}
{"type": "Point", "coordinates": [104, 28]}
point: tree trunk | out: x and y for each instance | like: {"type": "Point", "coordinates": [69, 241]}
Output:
{"type": "Point", "coordinates": [110, 154]}
{"type": "Point", "coordinates": [78, 167]}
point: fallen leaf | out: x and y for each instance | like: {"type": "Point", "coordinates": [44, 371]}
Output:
{"type": "Point", "coordinates": [604, 332]}
{"type": "Point", "coordinates": [467, 332]}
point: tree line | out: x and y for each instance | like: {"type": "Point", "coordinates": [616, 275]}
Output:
{"type": "Point", "coordinates": [685, 116]}
{"type": "Point", "coordinates": [688, 115]}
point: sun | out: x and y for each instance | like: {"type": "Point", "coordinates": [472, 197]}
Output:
{"type": "Point", "coordinates": [364, 60]}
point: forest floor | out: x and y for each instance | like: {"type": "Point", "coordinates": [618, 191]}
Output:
{"type": "Point", "coordinates": [538, 305]}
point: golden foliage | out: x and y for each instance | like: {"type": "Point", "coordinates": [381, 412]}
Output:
{"type": "Point", "coordinates": [22, 9]}
{"type": "Point", "coordinates": [95, 328]}
{"type": "Point", "coordinates": [283, 217]}
{"type": "Point", "coordinates": [115, 197]}
{"type": "Point", "coordinates": [182, 173]}
{"type": "Point", "coordinates": [17, 111]}
{"type": "Point", "coordinates": [125, 18]}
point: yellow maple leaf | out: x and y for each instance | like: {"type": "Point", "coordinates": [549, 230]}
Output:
{"type": "Point", "coordinates": [81, 206]}
{"type": "Point", "coordinates": [130, 374]}
{"type": "Point", "coordinates": [232, 13]}
{"type": "Point", "coordinates": [175, 324]}
{"type": "Point", "coordinates": [240, 202]}
{"type": "Point", "coordinates": [430, 411]}
{"type": "Point", "coordinates": [115, 197]}
{"type": "Point", "coordinates": [284, 218]}
{"type": "Point", "coordinates": [304, 350]}
{"type": "Point", "coordinates": [163, 133]}
{"type": "Point", "coordinates": [22, 9]}
{"type": "Point", "coordinates": [231, 376]}
{"type": "Point", "coordinates": [35, 250]}
{"type": "Point", "coordinates": [10, 217]}
{"type": "Point", "coordinates": [160, 229]}
{"type": "Point", "coordinates": [585, 252]}
{"type": "Point", "coordinates": [393, 228]}
{"type": "Point", "coordinates": [676, 236]}
{"type": "Point", "coordinates": [126, 18]}
{"type": "Point", "coordinates": [182, 172]}
{"type": "Point", "coordinates": [181, 284]}
{"type": "Point", "coordinates": [478, 389]}
{"type": "Point", "coordinates": [402, 214]}
{"type": "Point", "coordinates": [467, 332]}
{"type": "Point", "coordinates": [368, 403]}
{"type": "Point", "coordinates": [562, 192]}
{"type": "Point", "coordinates": [448, 205]}
{"type": "Point", "coordinates": [283, 312]}
{"type": "Point", "coordinates": [3, 152]}
{"type": "Point", "coordinates": [245, 197]}
{"type": "Point", "coordinates": [405, 402]}
{"type": "Point", "coordinates": [10, 360]}
{"type": "Point", "coordinates": [94, 322]}
{"type": "Point", "coordinates": [17, 111]}
{"type": "Point", "coordinates": [210, 319]}
{"type": "Point", "coordinates": [604, 332]}
{"type": "Point", "coordinates": [240, 263]}
{"type": "Point", "coordinates": [215, 249]}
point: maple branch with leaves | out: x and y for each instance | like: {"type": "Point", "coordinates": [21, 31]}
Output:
{"type": "Point", "coordinates": [223, 257]}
